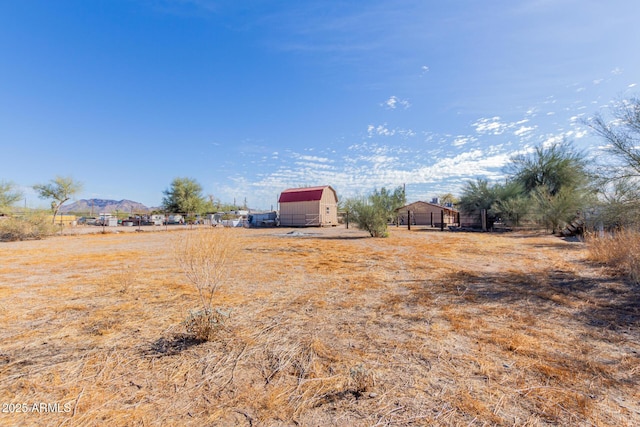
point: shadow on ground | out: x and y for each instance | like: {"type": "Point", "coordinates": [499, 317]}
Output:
{"type": "Point", "coordinates": [612, 302]}
{"type": "Point", "coordinates": [172, 346]}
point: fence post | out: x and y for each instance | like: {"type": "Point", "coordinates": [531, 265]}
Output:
{"type": "Point", "coordinates": [408, 220]}
{"type": "Point", "coordinates": [441, 220]}
{"type": "Point", "coordinates": [483, 214]}
{"type": "Point", "coordinates": [431, 218]}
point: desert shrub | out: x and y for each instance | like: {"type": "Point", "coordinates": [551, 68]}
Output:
{"type": "Point", "coordinates": [361, 379]}
{"type": "Point", "coordinates": [205, 257]}
{"type": "Point", "coordinates": [620, 251]}
{"type": "Point", "coordinates": [126, 277]}
{"type": "Point", "coordinates": [370, 218]}
{"type": "Point", "coordinates": [204, 324]}
{"type": "Point", "coordinates": [376, 211]}
{"type": "Point", "coordinates": [34, 226]}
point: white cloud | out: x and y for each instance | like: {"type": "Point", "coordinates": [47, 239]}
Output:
{"type": "Point", "coordinates": [365, 165]}
{"type": "Point", "coordinates": [553, 139]}
{"type": "Point", "coordinates": [524, 130]}
{"type": "Point", "coordinates": [383, 130]}
{"type": "Point", "coordinates": [380, 130]}
{"type": "Point", "coordinates": [406, 133]}
{"type": "Point", "coordinates": [574, 119]}
{"type": "Point", "coordinates": [491, 126]}
{"type": "Point", "coordinates": [461, 140]}
{"type": "Point", "coordinates": [314, 159]}
{"type": "Point", "coordinates": [394, 102]}
{"type": "Point", "coordinates": [581, 133]}
{"type": "Point", "coordinates": [437, 162]}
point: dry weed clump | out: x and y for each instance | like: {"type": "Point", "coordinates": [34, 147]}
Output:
{"type": "Point", "coordinates": [620, 251]}
{"type": "Point", "coordinates": [126, 278]}
{"type": "Point", "coordinates": [205, 257]}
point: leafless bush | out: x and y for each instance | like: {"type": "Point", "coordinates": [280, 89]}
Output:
{"type": "Point", "coordinates": [205, 257]}
{"type": "Point", "coordinates": [126, 278]}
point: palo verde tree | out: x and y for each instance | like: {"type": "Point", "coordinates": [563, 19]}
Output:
{"type": "Point", "coordinates": [505, 201]}
{"type": "Point", "coordinates": [374, 212]}
{"type": "Point", "coordinates": [619, 177]}
{"type": "Point", "coordinates": [554, 167]}
{"type": "Point", "coordinates": [8, 195]}
{"type": "Point", "coordinates": [60, 189]}
{"type": "Point", "coordinates": [476, 196]}
{"type": "Point", "coordinates": [622, 134]}
{"type": "Point", "coordinates": [556, 180]}
{"type": "Point", "coordinates": [184, 195]}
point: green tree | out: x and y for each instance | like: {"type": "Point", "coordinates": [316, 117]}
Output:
{"type": "Point", "coordinates": [184, 196]}
{"type": "Point", "coordinates": [619, 177]}
{"type": "Point", "coordinates": [60, 189]}
{"type": "Point", "coordinates": [476, 196]}
{"type": "Point", "coordinates": [555, 210]}
{"type": "Point", "coordinates": [8, 195]}
{"type": "Point", "coordinates": [505, 201]}
{"type": "Point", "coordinates": [374, 212]}
{"type": "Point", "coordinates": [388, 201]}
{"type": "Point", "coordinates": [447, 198]}
{"type": "Point", "coordinates": [555, 167]}
{"type": "Point", "coordinates": [618, 203]}
{"type": "Point", "coordinates": [622, 135]}
{"type": "Point", "coordinates": [511, 204]}
{"type": "Point", "coordinates": [556, 180]}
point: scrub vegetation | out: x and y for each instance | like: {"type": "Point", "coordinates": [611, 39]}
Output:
{"type": "Point", "coordinates": [326, 327]}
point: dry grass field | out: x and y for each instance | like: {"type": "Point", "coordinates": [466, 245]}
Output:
{"type": "Point", "coordinates": [326, 328]}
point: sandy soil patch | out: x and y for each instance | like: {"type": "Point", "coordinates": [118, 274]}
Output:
{"type": "Point", "coordinates": [328, 327]}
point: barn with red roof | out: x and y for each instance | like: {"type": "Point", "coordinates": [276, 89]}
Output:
{"type": "Point", "coordinates": [309, 207]}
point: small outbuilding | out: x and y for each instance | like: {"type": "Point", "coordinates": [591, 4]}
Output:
{"type": "Point", "coordinates": [425, 213]}
{"type": "Point", "coordinates": [309, 207]}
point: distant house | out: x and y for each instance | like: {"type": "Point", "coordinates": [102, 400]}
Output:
{"type": "Point", "coordinates": [156, 219]}
{"type": "Point", "coordinates": [425, 213]}
{"type": "Point", "coordinates": [309, 207]}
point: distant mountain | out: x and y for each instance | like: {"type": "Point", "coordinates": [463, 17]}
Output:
{"type": "Point", "coordinates": [98, 206]}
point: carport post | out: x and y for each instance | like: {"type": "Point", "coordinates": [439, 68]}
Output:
{"type": "Point", "coordinates": [408, 220]}
{"type": "Point", "coordinates": [442, 220]}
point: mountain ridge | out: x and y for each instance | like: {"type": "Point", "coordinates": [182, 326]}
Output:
{"type": "Point", "coordinates": [97, 206]}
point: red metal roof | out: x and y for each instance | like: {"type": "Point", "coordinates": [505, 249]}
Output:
{"type": "Point", "coordinates": [307, 194]}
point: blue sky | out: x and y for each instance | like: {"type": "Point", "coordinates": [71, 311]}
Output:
{"type": "Point", "coordinates": [250, 98]}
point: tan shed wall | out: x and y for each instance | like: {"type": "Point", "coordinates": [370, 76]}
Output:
{"type": "Point", "coordinates": [328, 208]}
{"type": "Point", "coordinates": [299, 214]}
{"type": "Point", "coordinates": [311, 213]}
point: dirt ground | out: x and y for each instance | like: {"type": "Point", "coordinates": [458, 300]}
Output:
{"type": "Point", "coordinates": [327, 327]}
